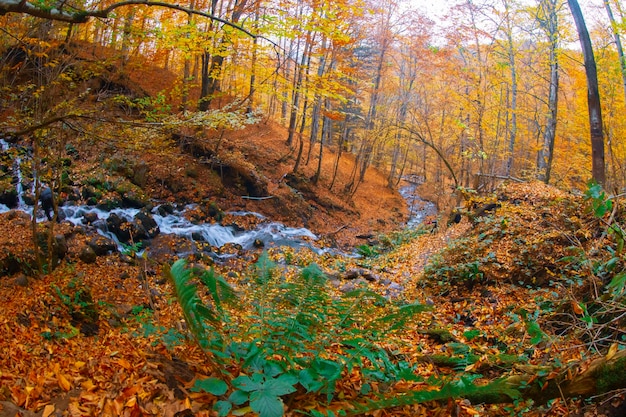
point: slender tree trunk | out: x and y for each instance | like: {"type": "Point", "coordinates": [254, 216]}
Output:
{"type": "Point", "coordinates": [254, 61]}
{"type": "Point", "coordinates": [187, 64]}
{"type": "Point", "coordinates": [212, 69]}
{"type": "Point", "coordinates": [593, 96]}
{"type": "Point", "coordinates": [345, 132]}
{"type": "Point", "coordinates": [128, 25]}
{"type": "Point", "coordinates": [618, 43]}
{"type": "Point", "coordinates": [295, 97]}
{"type": "Point", "coordinates": [327, 132]}
{"type": "Point", "coordinates": [513, 131]}
{"type": "Point", "coordinates": [546, 153]}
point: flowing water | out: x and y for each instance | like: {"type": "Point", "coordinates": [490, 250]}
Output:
{"type": "Point", "coordinates": [265, 232]}
{"type": "Point", "coordinates": [419, 209]}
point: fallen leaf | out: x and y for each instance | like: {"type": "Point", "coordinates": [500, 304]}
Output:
{"type": "Point", "coordinates": [63, 382]}
{"type": "Point", "coordinates": [612, 351]}
{"type": "Point", "coordinates": [124, 364]}
{"type": "Point", "coordinates": [577, 308]}
{"type": "Point", "coordinates": [47, 410]}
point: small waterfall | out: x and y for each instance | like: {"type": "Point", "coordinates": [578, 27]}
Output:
{"type": "Point", "coordinates": [217, 235]}
{"type": "Point", "coordinates": [418, 209]}
{"type": "Point", "coordinates": [21, 205]}
{"type": "Point", "coordinates": [17, 174]}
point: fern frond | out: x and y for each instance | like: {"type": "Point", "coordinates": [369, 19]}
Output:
{"type": "Point", "coordinates": [398, 318]}
{"type": "Point", "coordinates": [221, 292]}
{"type": "Point", "coordinates": [195, 312]}
{"type": "Point", "coordinates": [264, 269]}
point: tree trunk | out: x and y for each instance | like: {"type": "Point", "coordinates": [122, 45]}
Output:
{"type": "Point", "coordinates": [513, 131]}
{"type": "Point", "coordinates": [618, 43]}
{"type": "Point", "coordinates": [546, 153]}
{"type": "Point", "coordinates": [593, 96]}
{"type": "Point", "coordinates": [212, 69]}
{"type": "Point", "coordinates": [295, 95]}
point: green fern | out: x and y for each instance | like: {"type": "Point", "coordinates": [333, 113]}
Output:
{"type": "Point", "coordinates": [287, 342]}
{"type": "Point", "coordinates": [203, 321]}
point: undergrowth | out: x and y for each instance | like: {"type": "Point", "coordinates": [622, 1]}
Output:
{"type": "Point", "coordinates": [297, 339]}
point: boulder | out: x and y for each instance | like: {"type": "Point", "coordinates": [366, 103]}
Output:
{"type": "Point", "coordinates": [120, 227]}
{"type": "Point", "coordinates": [90, 218]}
{"type": "Point", "coordinates": [87, 255]}
{"type": "Point", "coordinates": [102, 245]}
{"type": "Point", "coordinates": [144, 226]}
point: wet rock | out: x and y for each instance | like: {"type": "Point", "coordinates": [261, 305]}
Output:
{"type": "Point", "coordinates": [134, 200]}
{"type": "Point", "coordinates": [167, 248]}
{"type": "Point", "coordinates": [9, 198]}
{"type": "Point", "coordinates": [165, 209]}
{"type": "Point", "coordinates": [89, 218]}
{"type": "Point", "coordinates": [127, 259]}
{"type": "Point", "coordinates": [198, 237]}
{"type": "Point", "coordinates": [110, 204]}
{"type": "Point", "coordinates": [230, 249]}
{"type": "Point", "coordinates": [102, 245]}
{"type": "Point", "coordinates": [145, 227]}
{"type": "Point", "coordinates": [120, 227]}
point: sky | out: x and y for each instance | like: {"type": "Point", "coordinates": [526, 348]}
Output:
{"type": "Point", "coordinates": [593, 10]}
{"type": "Point", "coordinates": [437, 8]}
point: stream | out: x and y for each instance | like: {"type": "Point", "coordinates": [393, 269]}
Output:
{"type": "Point", "coordinates": [171, 220]}
{"type": "Point", "coordinates": [419, 209]}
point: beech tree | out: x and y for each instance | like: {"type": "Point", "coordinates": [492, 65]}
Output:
{"type": "Point", "coordinates": [593, 95]}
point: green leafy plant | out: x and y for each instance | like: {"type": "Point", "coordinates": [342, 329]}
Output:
{"type": "Point", "coordinates": [286, 342]}
{"type": "Point", "coordinates": [600, 204]}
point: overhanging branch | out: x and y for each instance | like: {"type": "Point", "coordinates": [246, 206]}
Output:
{"type": "Point", "coordinates": [83, 16]}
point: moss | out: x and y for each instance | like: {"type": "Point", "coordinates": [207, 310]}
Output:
{"type": "Point", "coordinates": [450, 361]}
{"type": "Point", "coordinates": [439, 335]}
{"type": "Point", "coordinates": [610, 376]}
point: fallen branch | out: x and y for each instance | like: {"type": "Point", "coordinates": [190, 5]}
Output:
{"type": "Point", "coordinates": [247, 197]}
{"type": "Point", "coordinates": [338, 230]}
{"type": "Point", "coordinates": [500, 177]}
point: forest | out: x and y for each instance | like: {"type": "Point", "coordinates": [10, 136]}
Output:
{"type": "Point", "coordinates": [312, 208]}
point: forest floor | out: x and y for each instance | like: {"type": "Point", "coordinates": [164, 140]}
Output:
{"type": "Point", "coordinates": [498, 293]}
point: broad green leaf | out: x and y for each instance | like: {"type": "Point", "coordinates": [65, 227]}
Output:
{"type": "Point", "coordinates": [266, 404]}
{"type": "Point", "coordinates": [247, 384]}
{"type": "Point", "coordinates": [213, 386]}
{"type": "Point", "coordinates": [223, 408]}
{"type": "Point", "coordinates": [238, 397]}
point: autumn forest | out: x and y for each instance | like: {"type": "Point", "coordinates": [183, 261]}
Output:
{"type": "Point", "coordinates": [312, 208]}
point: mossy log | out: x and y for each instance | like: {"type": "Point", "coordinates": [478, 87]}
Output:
{"type": "Point", "coordinates": [584, 380]}
{"type": "Point", "coordinates": [587, 379]}
{"type": "Point", "coordinates": [542, 383]}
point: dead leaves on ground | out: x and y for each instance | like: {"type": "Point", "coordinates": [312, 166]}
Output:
{"type": "Point", "coordinates": [122, 371]}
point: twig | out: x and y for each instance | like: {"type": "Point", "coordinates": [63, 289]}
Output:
{"type": "Point", "coordinates": [338, 230]}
